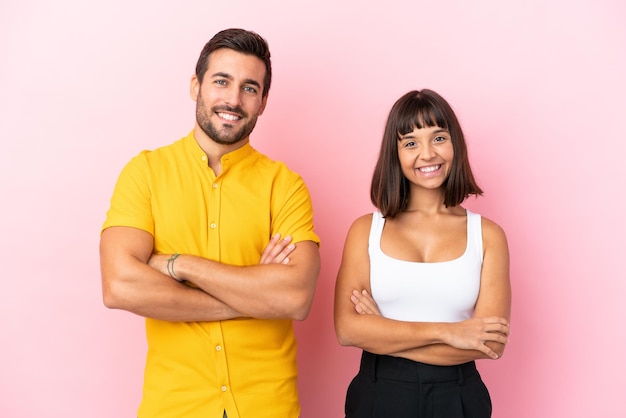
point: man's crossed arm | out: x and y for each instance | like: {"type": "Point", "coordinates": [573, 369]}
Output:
{"type": "Point", "coordinates": [282, 285]}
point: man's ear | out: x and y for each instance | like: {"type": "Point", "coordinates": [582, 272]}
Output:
{"type": "Point", "coordinates": [194, 88]}
{"type": "Point", "coordinates": [263, 103]}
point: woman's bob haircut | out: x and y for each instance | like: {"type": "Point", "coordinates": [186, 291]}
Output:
{"type": "Point", "coordinates": [419, 109]}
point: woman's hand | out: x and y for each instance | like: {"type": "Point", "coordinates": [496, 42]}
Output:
{"type": "Point", "coordinates": [364, 303]}
{"type": "Point", "coordinates": [472, 334]}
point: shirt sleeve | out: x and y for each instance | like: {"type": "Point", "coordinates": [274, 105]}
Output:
{"type": "Point", "coordinates": [131, 201]}
{"type": "Point", "coordinates": [294, 211]}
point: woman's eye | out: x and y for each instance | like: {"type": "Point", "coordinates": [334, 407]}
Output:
{"type": "Point", "coordinates": [440, 139]}
{"type": "Point", "coordinates": [409, 144]}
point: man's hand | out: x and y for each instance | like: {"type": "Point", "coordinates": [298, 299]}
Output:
{"type": "Point", "coordinates": [277, 250]}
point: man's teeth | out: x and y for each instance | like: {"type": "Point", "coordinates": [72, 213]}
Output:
{"type": "Point", "coordinates": [430, 169]}
{"type": "Point", "coordinates": [228, 116]}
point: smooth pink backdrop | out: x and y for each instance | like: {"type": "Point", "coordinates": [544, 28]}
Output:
{"type": "Point", "coordinates": [539, 88]}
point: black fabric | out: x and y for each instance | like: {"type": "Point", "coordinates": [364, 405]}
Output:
{"type": "Point", "coordinates": [396, 387]}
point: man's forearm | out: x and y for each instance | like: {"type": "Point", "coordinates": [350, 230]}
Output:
{"type": "Point", "coordinates": [157, 296]}
{"type": "Point", "coordinates": [261, 291]}
{"type": "Point", "coordinates": [128, 283]}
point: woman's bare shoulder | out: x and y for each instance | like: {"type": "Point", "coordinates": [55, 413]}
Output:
{"type": "Point", "coordinates": [492, 232]}
{"type": "Point", "coordinates": [360, 226]}
{"type": "Point", "coordinates": [363, 220]}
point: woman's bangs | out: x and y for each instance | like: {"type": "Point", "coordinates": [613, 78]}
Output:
{"type": "Point", "coordinates": [420, 114]}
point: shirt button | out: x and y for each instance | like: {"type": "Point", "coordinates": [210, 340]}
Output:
{"type": "Point", "coordinates": [213, 226]}
{"type": "Point", "coordinates": [223, 388]}
{"type": "Point", "coordinates": [204, 158]}
{"type": "Point", "coordinates": [215, 185]}
{"type": "Point", "coordinates": [218, 348]}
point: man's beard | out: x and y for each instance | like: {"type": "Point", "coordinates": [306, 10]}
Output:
{"type": "Point", "coordinates": [227, 136]}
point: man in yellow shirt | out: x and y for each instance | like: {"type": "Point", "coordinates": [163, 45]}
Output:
{"type": "Point", "coordinates": [213, 243]}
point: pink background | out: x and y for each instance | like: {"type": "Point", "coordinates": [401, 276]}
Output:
{"type": "Point", "coordinates": [539, 88]}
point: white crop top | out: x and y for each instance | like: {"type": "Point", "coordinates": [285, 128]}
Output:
{"type": "Point", "coordinates": [426, 292]}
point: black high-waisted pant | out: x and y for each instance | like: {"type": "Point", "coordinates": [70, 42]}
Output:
{"type": "Point", "coordinates": [396, 387]}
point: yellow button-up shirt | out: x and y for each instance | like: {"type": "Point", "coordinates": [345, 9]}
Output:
{"type": "Point", "coordinates": [199, 369]}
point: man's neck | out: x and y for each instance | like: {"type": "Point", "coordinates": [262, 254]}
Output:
{"type": "Point", "coordinates": [214, 150]}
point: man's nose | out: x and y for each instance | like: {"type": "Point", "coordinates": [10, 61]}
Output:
{"type": "Point", "coordinates": [232, 97]}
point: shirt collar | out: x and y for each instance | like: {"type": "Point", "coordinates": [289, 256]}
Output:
{"type": "Point", "coordinates": [227, 160]}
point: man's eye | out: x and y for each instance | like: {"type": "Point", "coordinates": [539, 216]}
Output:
{"type": "Point", "coordinates": [220, 82]}
{"type": "Point", "coordinates": [249, 89]}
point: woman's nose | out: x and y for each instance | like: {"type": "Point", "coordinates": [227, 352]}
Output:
{"type": "Point", "coordinates": [427, 152]}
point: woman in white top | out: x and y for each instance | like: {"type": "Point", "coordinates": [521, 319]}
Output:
{"type": "Point", "coordinates": [423, 288]}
